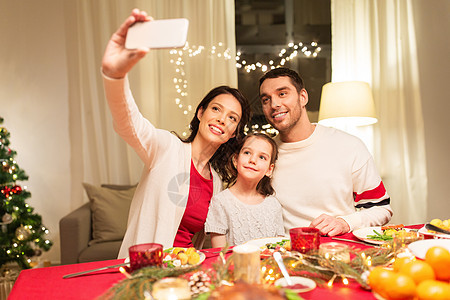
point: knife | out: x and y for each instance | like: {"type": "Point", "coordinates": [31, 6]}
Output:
{"type": "Point", "coordinates": [435, 228]}
{"type": "Point", "coordinates": [358, 242]}
{"type": "Point", "coordinates": [94, 270]}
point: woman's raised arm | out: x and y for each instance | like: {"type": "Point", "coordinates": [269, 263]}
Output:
{"type": "Point", "coordinates": [117, 60]}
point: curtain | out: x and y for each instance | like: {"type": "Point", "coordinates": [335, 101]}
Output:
{"type": "Point", "coordinates": [374, 41]}
{"type": "Point", "coordinates": [167, 85]}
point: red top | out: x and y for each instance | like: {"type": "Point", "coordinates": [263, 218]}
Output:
{"type": "Point", "coordinates": [200, 193]}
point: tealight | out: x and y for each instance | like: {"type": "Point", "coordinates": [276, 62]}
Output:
{"type": "Point", "coordinates": [335, 251]}
{"type": "Point", "coordinates": [171, 289]}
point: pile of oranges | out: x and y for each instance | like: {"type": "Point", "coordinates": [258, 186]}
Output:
{"type": "Point", "coordinates": [414, 279]}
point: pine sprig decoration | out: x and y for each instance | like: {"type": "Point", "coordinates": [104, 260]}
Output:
{"type": "Point", "coordinates": [321, 269]}
{"type": "Point", "coordinates": [141, 282]}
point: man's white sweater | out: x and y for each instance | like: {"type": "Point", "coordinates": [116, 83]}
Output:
{"type": "Point", "coordinates": [330, 172]}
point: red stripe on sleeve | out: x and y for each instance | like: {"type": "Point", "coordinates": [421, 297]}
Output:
{"type": "Point", "coordinates": [375, 193]}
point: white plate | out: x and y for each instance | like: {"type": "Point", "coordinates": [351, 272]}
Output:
{"type": "Point", "coordinates": [420, 248]}
{"type": "Point", "coordinates": [425, 231]}
{"type": "Point", "coordinates": [362, 234]}
{"type": "Point", "coordinates": [308, 283]}
{"type": "Point", "coordinates": [261, 243]}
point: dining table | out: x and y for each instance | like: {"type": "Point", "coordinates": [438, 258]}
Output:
{"type": "Point", "coordinates": [48, 282]}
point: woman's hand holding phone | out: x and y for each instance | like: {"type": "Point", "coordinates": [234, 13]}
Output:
{"type": "Point", "coordinates": [117, 60]}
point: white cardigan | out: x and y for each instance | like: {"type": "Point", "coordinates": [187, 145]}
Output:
{"type": "Point", "coordinates": [161, 196]}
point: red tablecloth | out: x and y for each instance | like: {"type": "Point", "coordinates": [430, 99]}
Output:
{"type": "Point", "coordinates": [47, 283]}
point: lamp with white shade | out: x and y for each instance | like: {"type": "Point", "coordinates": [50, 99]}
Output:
{"type": "Point", "coordinates": [349, 106]}
{"type": "Point", "coordinates": [348, 103]}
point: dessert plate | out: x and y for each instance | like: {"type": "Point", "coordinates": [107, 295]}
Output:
{"type": "Point", "coordinates": [420, 248]}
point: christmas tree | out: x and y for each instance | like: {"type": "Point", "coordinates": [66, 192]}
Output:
{"type": "Point", "coordinates": [22, 235]}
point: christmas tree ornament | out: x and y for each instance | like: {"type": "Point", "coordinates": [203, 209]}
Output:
{"type": "Point", "coordinates": [6, 191]}
{"type": "Point", "coordinates": [5, 166]}
{"type": "Point", "coordinates": [16, 189]}
{"type": "Point", "coordinates": [23, 233]}
{"type": "Point", "coordinates": [7, 219]}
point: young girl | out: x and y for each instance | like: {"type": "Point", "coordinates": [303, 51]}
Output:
{"type": "Point", "coordinates": [172, 199]}
{"type": "Point", "coordinates": [247, 210]}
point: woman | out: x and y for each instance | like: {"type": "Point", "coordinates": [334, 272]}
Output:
{"type": "Point", "coordinates": [171, 202]}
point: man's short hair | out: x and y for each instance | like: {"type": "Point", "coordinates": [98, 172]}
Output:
{"type": "Point", "coordinates": [296, 80]}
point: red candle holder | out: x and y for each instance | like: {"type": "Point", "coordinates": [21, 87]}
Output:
{"type": "Point", "coordinates": [304, 239]}
{"type": "Point", "coordinates": [145, 255]}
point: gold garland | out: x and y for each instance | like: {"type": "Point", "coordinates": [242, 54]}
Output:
{"type": "Point", "coordinates": [326, 270]}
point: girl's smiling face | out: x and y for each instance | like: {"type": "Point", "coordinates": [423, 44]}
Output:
{"type": "Point", "coordinates": [254, 160]}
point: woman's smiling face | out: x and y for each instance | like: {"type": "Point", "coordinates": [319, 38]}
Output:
{"type": "Point", "coordinates": [219, 120]}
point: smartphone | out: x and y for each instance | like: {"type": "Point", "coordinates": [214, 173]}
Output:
{"type": "Point", "coordinates": [165, 33]}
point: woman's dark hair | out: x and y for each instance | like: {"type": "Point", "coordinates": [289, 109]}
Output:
{"type": "Point", "coordinates": [222, 155]}
{"type": "Point", "coordinates": [296, 80]}
{"type": "Point", "coordinates": [264, 186]}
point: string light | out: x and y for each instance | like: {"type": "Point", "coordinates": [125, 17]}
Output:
{"type": "Point", "coordinates": [330, 282]}
{"type": "Point", "coordinates": [285, 55]}
{"type": "Point", "coordinates": [178, 60]}
{"type": "Point", "coordinates": [124, 272]}
{"type": "Point", "coordinates": [180, 82]}
{"type": "Point", "coordinates": [344, 280]}
{"type": "Point", "coordinates": [265, 128]}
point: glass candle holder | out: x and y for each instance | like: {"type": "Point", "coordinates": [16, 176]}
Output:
{"type": "Point", "coordinates": [171, 289]}
{"type": "Point", "coordinates": [335, 251]}
{"type": "Point", "coordinates": [401, 240]}
{"type": "Point", "coordinates": [145, 255]}
{"type": "Point", "coordinates": [247, 263]}
{"type": "Point", "coordinates": [304, 239]}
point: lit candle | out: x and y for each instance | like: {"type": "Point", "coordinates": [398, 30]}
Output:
{"type": "Point", "coordinates": [171, 289]}
{"type": "Point", "coordinates": [335, 251]}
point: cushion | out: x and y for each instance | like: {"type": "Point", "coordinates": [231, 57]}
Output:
{"type": "Point", "coordinates": [118, 186]}
{"type": "Point", "coordinates": [109, 208]}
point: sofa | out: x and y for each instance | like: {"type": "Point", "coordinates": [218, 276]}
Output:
{"type": "Point", "coordinates": [95, 230]}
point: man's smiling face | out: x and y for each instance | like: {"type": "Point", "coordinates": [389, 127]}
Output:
{"type": "Point", "coordinates": [281, 103]}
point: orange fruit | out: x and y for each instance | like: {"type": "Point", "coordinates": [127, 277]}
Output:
{"type": "Point", "coordinates": [439, 259]}
{"type": "Point", "coordinates": [401, 287]}
{"type": "Point", "coordinates": [418, 270]}
{"type": "Point", "coordinates": [400, 261]}
{"type": "Point", "coordinates": [433, 289]}
{"type": "Point", "coordinates": [378, 278]}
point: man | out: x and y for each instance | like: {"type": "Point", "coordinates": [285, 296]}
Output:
{"type": "Point", "coordinates": [324, 178]}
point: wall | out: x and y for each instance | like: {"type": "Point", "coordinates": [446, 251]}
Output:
{"type": "Point", "coordinates": [432, 28]}
{"type": "Point", "coordinates": [33, 102]}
